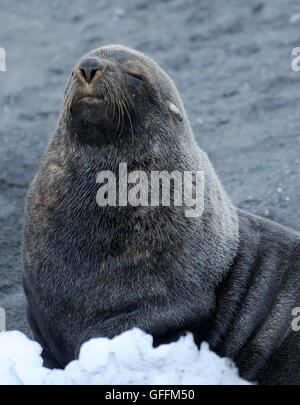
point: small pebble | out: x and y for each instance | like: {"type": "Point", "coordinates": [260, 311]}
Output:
{"type": "Point", "coordinates": [118, 13]}
{"type": "Point", "coordinates": [295, 18]}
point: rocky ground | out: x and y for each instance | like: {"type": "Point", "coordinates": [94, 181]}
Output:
{"type": "Point", "coordinates": [231, 61]}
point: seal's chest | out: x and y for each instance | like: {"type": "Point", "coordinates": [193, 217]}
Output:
{"type": "Point", "coordinates": [121, 297]}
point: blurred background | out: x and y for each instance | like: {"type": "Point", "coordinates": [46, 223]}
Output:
{"type": "Point", "coordinates": [231, 61]}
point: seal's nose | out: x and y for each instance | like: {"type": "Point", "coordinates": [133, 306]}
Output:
{"type": "Point", "coordinates": [88, 68]}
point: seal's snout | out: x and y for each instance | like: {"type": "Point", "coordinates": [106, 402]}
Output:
{"type": "Point", "coordinates": [89, 67]}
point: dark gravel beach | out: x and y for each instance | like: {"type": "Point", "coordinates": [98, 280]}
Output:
{"type": "Point", "coordinates": [231, 61]}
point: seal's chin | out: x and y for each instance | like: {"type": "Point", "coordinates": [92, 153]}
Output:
{"type": "Point", "coordinates": [90, 109]}
{"type": "Point", "coordinates": [91, 120]}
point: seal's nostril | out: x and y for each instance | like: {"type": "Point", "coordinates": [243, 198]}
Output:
{"type": "Point", "coordinates": [88, 74]}
{"type": "Point", "coordinates": [89, 67]}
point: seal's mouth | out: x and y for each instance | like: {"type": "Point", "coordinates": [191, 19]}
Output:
{"type": "Point", "coordinates": [90, 99]}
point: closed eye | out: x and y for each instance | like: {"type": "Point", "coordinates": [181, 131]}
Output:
{"type": "Point", "coordinates": [135, 75]}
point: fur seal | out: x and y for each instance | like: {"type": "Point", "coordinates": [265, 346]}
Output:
{"type": "Point", "coordinates": [230, 277]}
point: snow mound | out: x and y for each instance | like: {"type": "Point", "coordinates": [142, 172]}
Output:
{"type": "Point", "coordinates": [126, 359]}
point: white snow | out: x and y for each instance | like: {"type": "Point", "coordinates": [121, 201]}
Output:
{"type": "Point", "coordinates": [126, 359]}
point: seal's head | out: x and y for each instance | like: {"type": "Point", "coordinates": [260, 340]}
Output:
{"type": "Point", "coordinates": [115, 91]}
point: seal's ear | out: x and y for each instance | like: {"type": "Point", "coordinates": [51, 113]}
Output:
{"type": "Point", "coordinates": [174, 110]}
